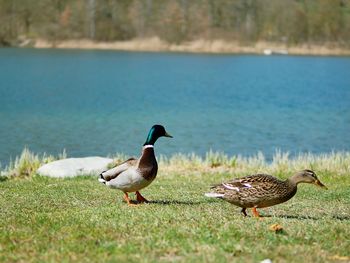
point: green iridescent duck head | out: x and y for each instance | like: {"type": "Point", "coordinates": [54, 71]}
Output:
{"type": "Point", "coordinates": [155, 132]}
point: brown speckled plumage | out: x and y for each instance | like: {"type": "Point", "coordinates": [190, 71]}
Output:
{"type": "Point", "coordinates": [261, 190]}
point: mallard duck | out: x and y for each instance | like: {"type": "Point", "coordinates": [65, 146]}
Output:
{"type": "Point", "coordinates": [261, 190]}
{"type": "Point", "coordinates": [135, 174]}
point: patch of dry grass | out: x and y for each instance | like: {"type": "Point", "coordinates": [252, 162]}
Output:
{"type": "Point", "coordinates": [28, 163]}
{"type": "Point", "coordinates": [282, 163]}
{"type": "Point", "coordinates": [213, 162]}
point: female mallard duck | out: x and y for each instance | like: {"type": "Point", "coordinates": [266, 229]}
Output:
{"type": "Point", "coordinates": [135, 174]}
{"type": "Point", "coordinates": [261, 190]}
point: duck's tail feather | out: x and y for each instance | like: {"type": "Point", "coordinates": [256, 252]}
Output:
{"type": "Point", "coordinates": [214, 195]}
{"type": "Point", "coordinates": [101, 179]}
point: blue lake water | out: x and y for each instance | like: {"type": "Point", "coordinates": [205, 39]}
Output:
{"type": "Point", "coordinates": [103, 102]}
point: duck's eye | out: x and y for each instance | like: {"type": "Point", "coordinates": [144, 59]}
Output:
{"type": "Point", "coordinates": [312, 175]}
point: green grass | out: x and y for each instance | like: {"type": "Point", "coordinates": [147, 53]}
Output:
{"type": "Point", "coordinates": [65, 220]}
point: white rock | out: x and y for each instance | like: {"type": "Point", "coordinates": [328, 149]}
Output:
{"type": "Point", "coordinates": [75, 166]}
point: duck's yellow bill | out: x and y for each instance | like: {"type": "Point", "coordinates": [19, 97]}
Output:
{"type": "Point", "coordinates": [318, 183]}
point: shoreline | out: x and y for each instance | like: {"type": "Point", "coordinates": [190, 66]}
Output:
{"type": "Point", "coordinates": [198, 46]}
{"type": "Point", "coordinates": [27, 163]}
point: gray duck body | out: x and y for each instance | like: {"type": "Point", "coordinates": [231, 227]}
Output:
{"type": "Point", "coordinates": [135, 174]}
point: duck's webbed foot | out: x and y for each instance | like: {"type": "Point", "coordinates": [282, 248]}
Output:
{"type": "Point", "coordinates": [127, 200]}
{"type": "Point", "coordinates": [243, 211]}
{"type": "Point", "coordinates": [255, 212]}
{"type": "Point", "coordinates": [140, 198]}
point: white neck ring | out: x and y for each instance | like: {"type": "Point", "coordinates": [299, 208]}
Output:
{"type": "Point", "coordinates": [148, 146]}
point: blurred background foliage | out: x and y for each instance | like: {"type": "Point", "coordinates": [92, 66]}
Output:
{"type": "Point", "coordinates": [291, 22]}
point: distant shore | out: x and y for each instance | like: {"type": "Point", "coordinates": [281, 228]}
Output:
{"type": "Point", "coordinates": [198, 46]}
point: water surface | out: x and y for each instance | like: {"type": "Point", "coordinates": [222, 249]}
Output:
{"type": "Point", "coordinates": [102, 102]}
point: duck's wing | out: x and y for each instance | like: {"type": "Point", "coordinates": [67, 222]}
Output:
{"type": "Point", "coordinates": [114, 172]}
{"type": "Point", "coordinates": [247, 182]}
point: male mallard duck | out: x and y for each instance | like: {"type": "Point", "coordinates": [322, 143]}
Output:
{"type": "Point", "coordinates": [135, 174]}
{"type": "Point", "coordinates": [261, 190]}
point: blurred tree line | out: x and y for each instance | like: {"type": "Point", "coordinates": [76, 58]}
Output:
{"type": "Point", "coordinates": [175, 21]}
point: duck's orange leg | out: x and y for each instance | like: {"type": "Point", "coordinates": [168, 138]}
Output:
{"type": "Point", "coordinates": [255, 212]}
{"type": "Point", "coordinates": [140, 198]}
{"type": "Point", "coordinates": [127, 199]}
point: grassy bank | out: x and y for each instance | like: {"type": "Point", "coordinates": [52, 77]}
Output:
{"type": "Point", "coordinates": [45, 219]}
